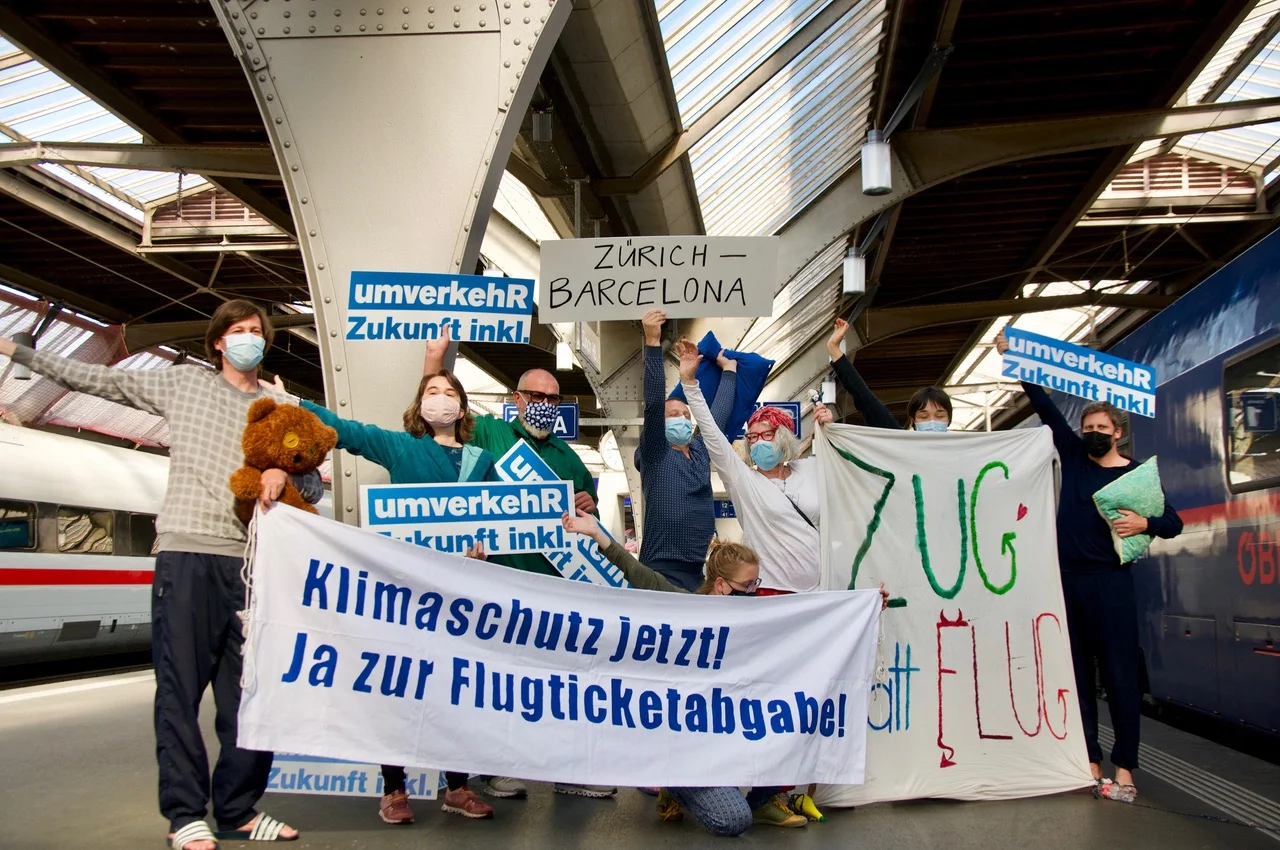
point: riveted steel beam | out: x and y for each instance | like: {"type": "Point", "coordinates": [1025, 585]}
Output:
{"type": "Point", "coordinates": [391, 126]}
{"type": "Point", "coordinates": [208, 160]}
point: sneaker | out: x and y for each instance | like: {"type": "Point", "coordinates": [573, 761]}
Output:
{"type": "Point", "coordinates": [395, 808]}
{"type": "Point", "coordinates": [776, 812]}
{"type": "Point", "coordinates": [505, 787]}
{"type": "Point", "coordinates": [668, 809]}
{"type": "Point", "coordinates": [585, 790]}
{"type": "Point", "coordinates": [463, 801]}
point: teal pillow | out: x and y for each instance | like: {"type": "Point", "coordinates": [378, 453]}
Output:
{"type": "Point", "coordinates": [1138, 491]}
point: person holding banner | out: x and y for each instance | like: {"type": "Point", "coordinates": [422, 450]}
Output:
{"type": "Point", "coordinates": [777, 500]}
{"type": "Point", "coordinates": [1102, 611]}
{"type": "Point", "coordinates": [537, 399]}
{"type": "Point", "coordinates": [929, 409]}
{"type": "Point", "coordinates": [675, 469]}
{"type": "Point", "coordinates": [196, 634]}
{"type": "Point", "coordinates": [433, 448]}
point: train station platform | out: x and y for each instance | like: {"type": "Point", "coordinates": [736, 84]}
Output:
{"type": "Point", "coordinates": [78, 770]}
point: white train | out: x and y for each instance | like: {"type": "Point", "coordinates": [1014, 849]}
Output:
{"type": "Point", "coordinates": [77, 531]}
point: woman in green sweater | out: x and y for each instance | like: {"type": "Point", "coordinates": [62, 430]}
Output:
{"type": "Point", "coordinates": [432, 449]}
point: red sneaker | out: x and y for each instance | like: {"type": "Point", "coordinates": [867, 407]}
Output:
{"type": "Point", "coordinates": [463, 801]}
{"type": "Point", "coordinates": [395, 808]}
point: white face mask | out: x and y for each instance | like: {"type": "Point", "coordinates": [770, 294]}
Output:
{"type": "Point", "coordinates": [440, 411]}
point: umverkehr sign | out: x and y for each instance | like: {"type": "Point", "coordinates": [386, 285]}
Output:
{"type": "Point", "coordinates": [417, 306]}
{"type": "Point", "coordinates": [1080, 371]}
{"type": "Point", "coordinates": [685, 276]}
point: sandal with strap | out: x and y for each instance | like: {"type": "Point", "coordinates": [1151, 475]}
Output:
{"type": "Point", "coordinates": [265, 828]}
{"type": "Point", "coordinates": [195, 831]}
{"type": "Point", "coordinates": [1115, 791]}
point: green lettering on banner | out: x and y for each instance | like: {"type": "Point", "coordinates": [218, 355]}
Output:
{"type": "Point", "coordinates": [1006, 543]}
{"type": "Point", "coordinates": [922, 542]}
{"type": "Point", "coordinates": [878, 507]}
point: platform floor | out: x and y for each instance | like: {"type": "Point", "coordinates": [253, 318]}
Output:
{"type": "Point", "coordinates": [77, 769]}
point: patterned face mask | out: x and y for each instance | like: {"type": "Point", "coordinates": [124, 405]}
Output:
{"type": "Point", "coordinates": [541, 415]}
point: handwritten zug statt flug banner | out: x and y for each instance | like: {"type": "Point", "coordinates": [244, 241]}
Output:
{"type": "Point", "coordinates": [387, 306]}
{"type": "Point", "coordinates": [974, 696]}
{"type": "Point", "coordinates": [1080, 371]}
{"type": "Point", "coordinates": [362, 647]}
{"type": "Point", "coordinates": [685, 276]}
{"type": "Point", "coordinates": [503, 517]}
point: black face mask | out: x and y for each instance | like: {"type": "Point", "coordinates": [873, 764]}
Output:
{"type": "Point", "coordinates": [733, 591]}
{"type": "Point", "coordinates": [1096, 443]}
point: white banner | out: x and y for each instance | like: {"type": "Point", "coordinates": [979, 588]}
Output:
{"type": "Point", "coordinates": [974, 696]}
{"type": "Point", "coordinates": [362, 647]}
{"type": "Point", "coordinates": [686, 276]}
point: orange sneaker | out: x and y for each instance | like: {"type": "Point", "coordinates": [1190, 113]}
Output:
{"type": "Point", "coordinates": [463, 801]}
{"type": "Point", "coordinates": [395, 808]}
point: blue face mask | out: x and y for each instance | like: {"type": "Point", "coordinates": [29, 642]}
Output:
{"type": "Point", "coordinates": [766, 455]}
{"type": "Point", "coordinates": [244, 351]}
{"type": "Point", "coordinates": [933, 426]}
{"type": "Point", "coordinates": [679, 431]}
{"type": "Point", "coordinates": [541, 415]}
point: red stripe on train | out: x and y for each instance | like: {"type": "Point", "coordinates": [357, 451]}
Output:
{"type": "Point", "coordinates": [63, 577]}
{"type": "Point", "coordinates": [1254, 506]}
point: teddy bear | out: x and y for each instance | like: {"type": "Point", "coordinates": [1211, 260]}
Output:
{"type": "Point", "coordinates": [279, 436]}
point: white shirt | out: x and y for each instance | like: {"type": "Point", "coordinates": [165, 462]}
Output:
{"type": "Point", "coordinates": [789, 548]}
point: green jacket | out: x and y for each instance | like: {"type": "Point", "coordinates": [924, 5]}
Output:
{"type": "Point", "coordinates": [498, 437]}
{"type": "Point", "coordinates": [640, 576]}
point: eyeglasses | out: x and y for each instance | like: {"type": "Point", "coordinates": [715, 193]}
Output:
{"type": "Point", "coordinates": [538, 398]}
{"type": "Point", "coordinates": [751, 586]}
{"type": "Point", "coordinates": [767, 436]}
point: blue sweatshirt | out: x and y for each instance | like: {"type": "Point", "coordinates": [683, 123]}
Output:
{"type": "Point", "coordinates": [1084, 537]}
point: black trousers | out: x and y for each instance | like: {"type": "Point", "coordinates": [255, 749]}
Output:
{"type": "Point", "coordinates": [393, 779]}
{"type": "Point", "coordinates": [196, 642]}
{"type": "Point", "coordinates": [1102, 621]}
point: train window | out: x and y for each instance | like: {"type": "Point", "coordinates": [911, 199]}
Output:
{"type": "Point", "coordinates": [142, 534]}
{"type": "Point", "coordinates": [17, 525]}
{"type": "Point", "coordinates": [1251, 396]}
{"type": "Point", "coordinates": [85, 530]}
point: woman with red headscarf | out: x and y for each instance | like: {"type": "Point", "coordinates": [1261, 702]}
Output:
{"type": "Point", "coordinates": [774, 494]}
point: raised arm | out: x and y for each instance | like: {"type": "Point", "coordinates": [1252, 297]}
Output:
{"type": "Point", "coordinates": [653, 438]}
{"type": "Point", "coordinates": [726, 392]}
{"type": "Point", "coordinates": [637, 574]}
{"type": "Point", "coordinates": [872, 409]}
{"type": "Point", "coordinates": [732, 469]}
{"type": "Point", "coordinates": [379, 445]}
{"type": "Point", "coordinates": [145, 389]}
{"type": "Point", "coordinates": [1064, 436]}
{"type": "Point", "coordinates": [437, 350]}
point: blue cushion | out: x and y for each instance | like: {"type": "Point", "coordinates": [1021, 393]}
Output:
{"type": "Point", "coordinates": [753, 371]}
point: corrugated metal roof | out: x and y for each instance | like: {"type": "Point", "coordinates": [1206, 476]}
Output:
{"type": "Point", "coordinates": [793, 137]}
{"type": "Point", "coordinates": [38, 105]}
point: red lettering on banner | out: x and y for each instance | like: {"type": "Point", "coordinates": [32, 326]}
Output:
{"type": "Point", "coordinates": [1266, 558]}
{"type": "Point", "coordinates": [1062, 692]}
{"type": "Point", "coordinates": [1245, 545]}
{"type": "Point", "coordinates": [943, 623]}
{"type": "Point", "coordinates": [977, 701]}
{"type": "Point", "coordinates": [1008, 654]}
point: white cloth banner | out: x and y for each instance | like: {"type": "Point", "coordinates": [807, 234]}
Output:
{"type": "Point", "coordinates": [366, 648]}
{"type": "Point", "coordinates": [974, 696]}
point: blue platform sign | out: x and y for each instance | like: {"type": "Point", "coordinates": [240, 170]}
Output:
{"type": "Point", "coordinates": [566, 427]}
{"type": "Point", "coordinates": [1080, 371]}
{"type": "Point", "coordinates": [417, 306]}
{"type": "Point", "coordinates": [723, 509]}
{"type": "Point", "coordinates": [791, 408]}
{"type": "Point", "coordinates": [1260, 409]}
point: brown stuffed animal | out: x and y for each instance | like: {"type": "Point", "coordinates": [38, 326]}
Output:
{"type": "Point", "coordinates": [279, 436]}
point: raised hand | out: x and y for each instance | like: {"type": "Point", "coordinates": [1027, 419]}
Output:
{"type": "Point", "coordinates": [7, 347]}
{"type": "Point", "coordinates": [821, 414]}
{"type": "Point", "coordinates": [586, 525]}
{"type": "Point", "coordinates": [838, 333]}
{"type": "Point", "coordinates": [477, 551]}
{"type": "Point", "coordinates": [1002, 342]}
{"type": "Point", "coordinates": [437, 350]}
{"type": "Point", "coordinates": [689, 360]}
{"type": "Point", "coordinates": [276, 384]}
{"type": "Point", "coordinates": [653, 322]}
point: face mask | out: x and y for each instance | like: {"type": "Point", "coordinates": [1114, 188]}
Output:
{"type": "Point", "coordinates": [540, 417]}
{"type": "Point", "coordinates": [733, 591]}
{"type": "Point", "coordinates": [766, 455]}
{"type": "Point", "coordinates": [679, 431]}
{"type": "Point", "coordinates": [440, 411]}
{"type": "Point", "coordinates": [244, 351]}
{"type": "Point", "coordinates": [933, 426]}
{"type": "Point", "coordinates": [1096, 443]}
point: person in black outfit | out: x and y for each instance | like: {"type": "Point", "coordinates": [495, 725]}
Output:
{"type": "Point", "coordinates": [1102, 613]}
{"type": "Point", "coordinates": [928, 410]}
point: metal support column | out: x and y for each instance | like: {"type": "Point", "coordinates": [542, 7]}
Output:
{"type": "Point", "coordinates": [391, 124]}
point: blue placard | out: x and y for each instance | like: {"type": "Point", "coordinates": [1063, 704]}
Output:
{"type": "Point", "coordinates": [1260, 408]}
{"type": "Point", "coordinates": [1080, 371]}
{"type": "Point", "coordinates": [790, 407]}
{"type": "Point", "coordinates": [416, 306]}
{"type": "Point", "coordinates": [566, 427]}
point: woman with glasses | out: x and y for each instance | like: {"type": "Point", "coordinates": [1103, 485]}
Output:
{"type": "Point", "coordinates": [928, 410]}
{"type": "Point", "coordinates": [774, 494]}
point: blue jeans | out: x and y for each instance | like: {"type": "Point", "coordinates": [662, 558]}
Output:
{"type": "Point", "coordinates": [723, 810]}
{"type": "Point", "coordinates": [679, 573]}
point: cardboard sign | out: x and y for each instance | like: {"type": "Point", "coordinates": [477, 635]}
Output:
{"type": "Point", "coordinates": [416, 306]}
{"type": "Point", "coordinates": [1080, 371]}
{"type": "Point", "coordinates": [686, 276]}
{"type": "Point", "coordinates": [566, 427]}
